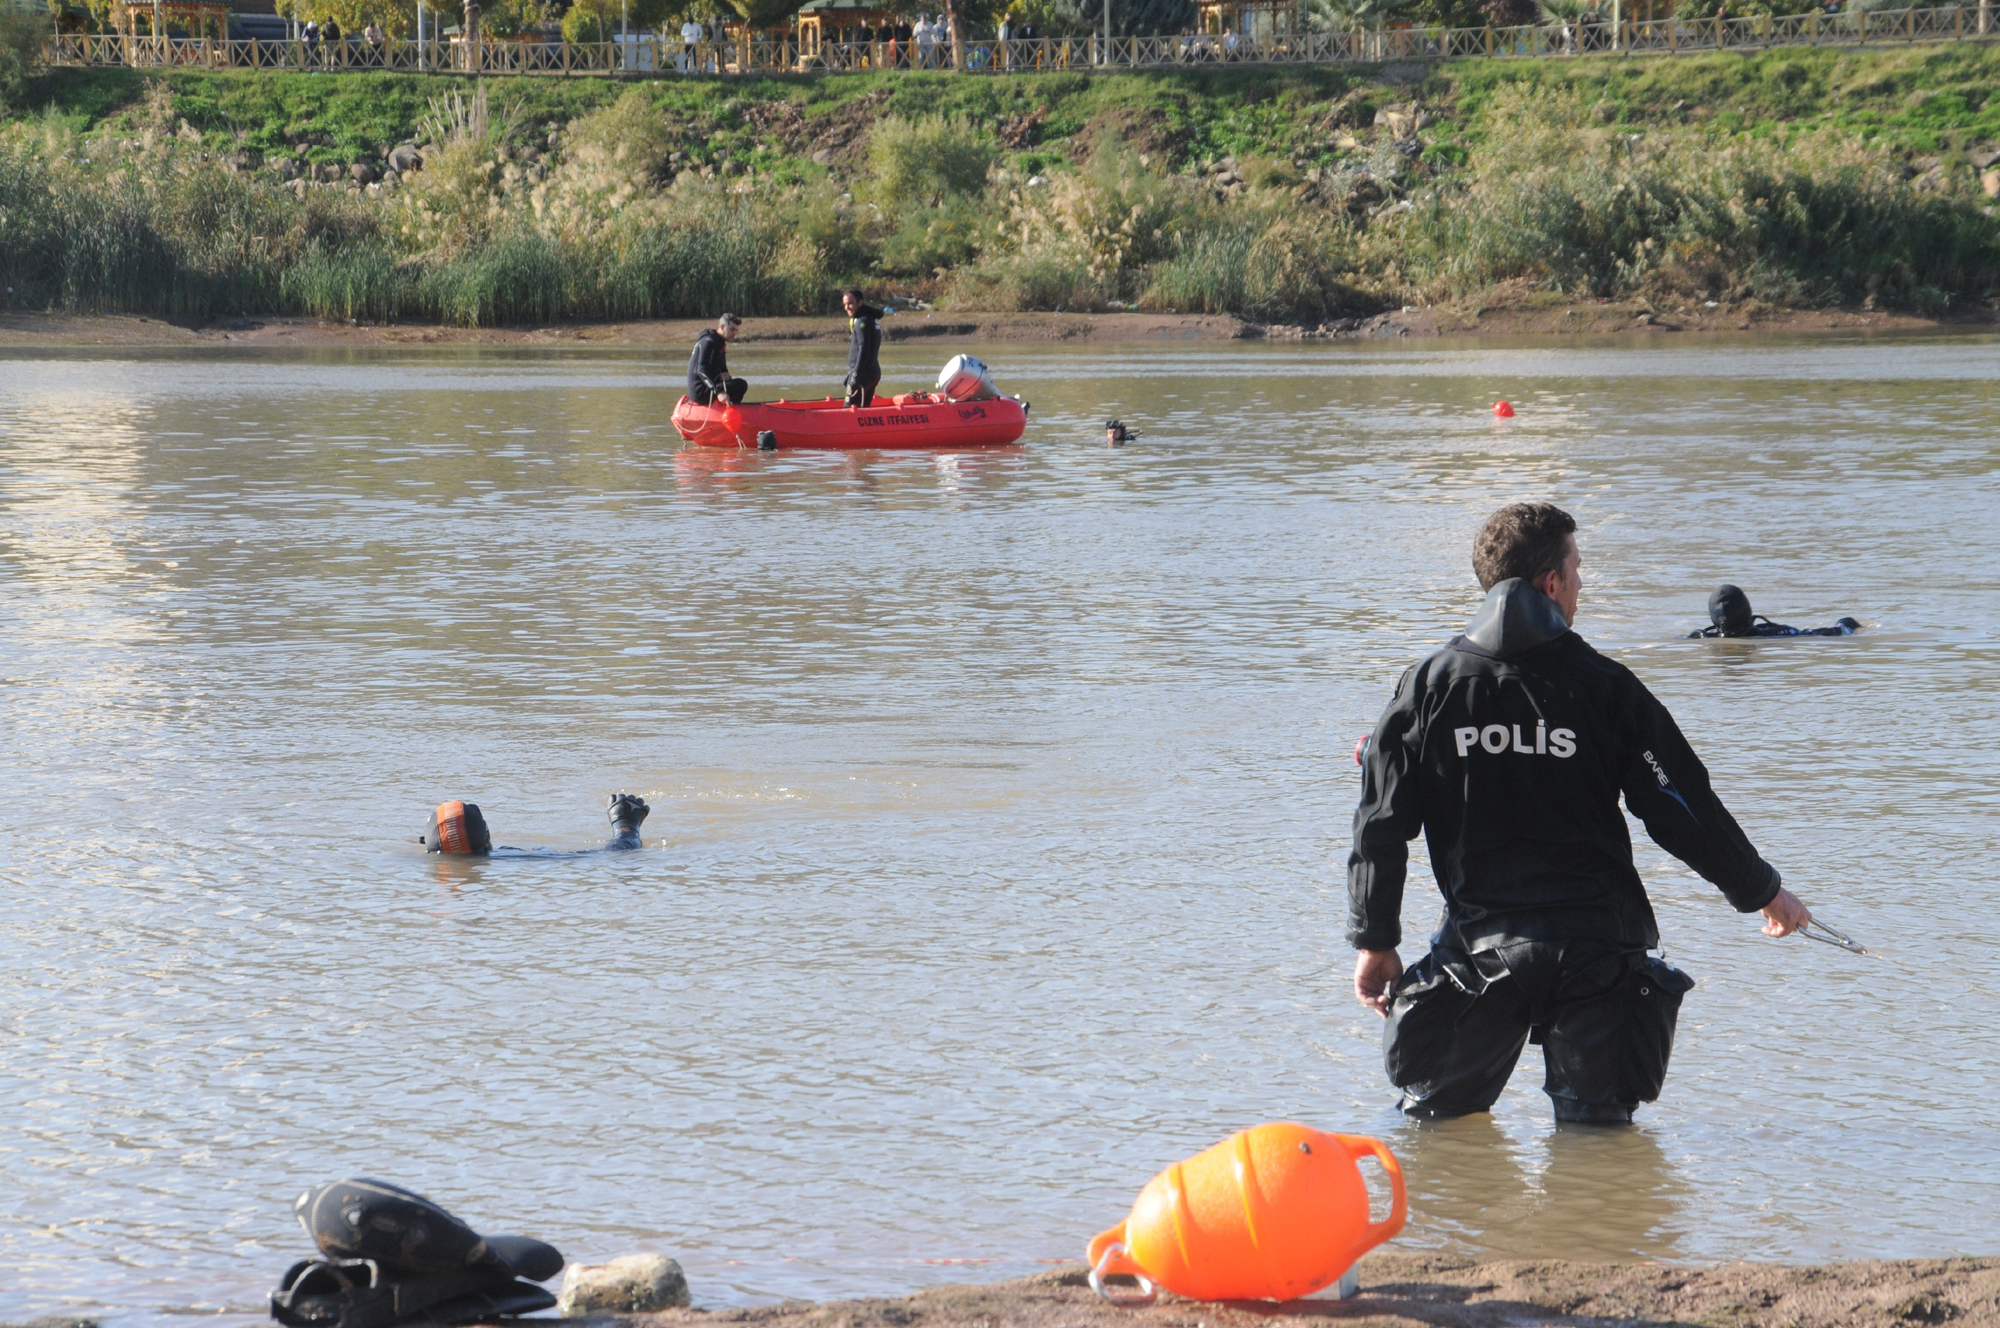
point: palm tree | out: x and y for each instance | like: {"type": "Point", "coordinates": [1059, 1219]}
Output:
{"type": "Point", "coordinates": [1352, 15]}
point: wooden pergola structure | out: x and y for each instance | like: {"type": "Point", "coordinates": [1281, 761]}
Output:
{"type": "Point", "coordinates": [198, 18]}
{"type": "Point", "coordinates": [823, 21]}
{"type": "Point", "coordinates": [1257, 20]}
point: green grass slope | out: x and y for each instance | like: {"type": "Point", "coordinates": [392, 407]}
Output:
{"type": "Point", "coordinates": [1799, 178]}
{"type": "Point", "coordinates": [1919, 100]}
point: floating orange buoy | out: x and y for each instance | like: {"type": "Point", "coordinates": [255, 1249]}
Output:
{"type": "Point", "coordinates": [1271, 1213]}
{"type": "Point", "coordinates": [1503, 410]}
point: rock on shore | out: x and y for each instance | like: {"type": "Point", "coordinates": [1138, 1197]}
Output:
{"type": "Point", "coordinates": [1433, 1291]}
{"type": "Point", "coordinates": [636, 1282]}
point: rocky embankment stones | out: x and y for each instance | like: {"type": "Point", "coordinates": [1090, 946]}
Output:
{"type": "Point", "coordinates": [634, 1284]}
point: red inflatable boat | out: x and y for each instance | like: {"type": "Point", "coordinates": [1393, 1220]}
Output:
{"type": "Point", "coordinates": [915, 419]}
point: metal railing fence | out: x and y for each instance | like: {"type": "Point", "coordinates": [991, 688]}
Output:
{"type": "Point", "coordinates": [650, 56]}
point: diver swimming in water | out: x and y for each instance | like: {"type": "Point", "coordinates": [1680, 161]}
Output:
{"type": "Point", "coordinates": [1729, 615]}
{"type": "Point", "coordinates": [459, 828]}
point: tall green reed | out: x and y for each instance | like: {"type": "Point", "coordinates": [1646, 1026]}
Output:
{"type": "Point", "coordinates": [1585, 210]}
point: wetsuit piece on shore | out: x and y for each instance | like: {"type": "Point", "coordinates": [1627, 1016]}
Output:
{"type": "Point", "coordinates": [708, 371]}
{"type": "Point", "coordinates": [864, 363]}
{"type": "Point", "coordinates": [391, 1256]}
{"type": "Point", "coordinates": [1730, 616]}
{"type": "Point", "coordinates": [1509, 750]}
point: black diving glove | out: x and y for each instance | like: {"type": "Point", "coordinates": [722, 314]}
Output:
{"type": "Point", "coordinates": [627, 813]}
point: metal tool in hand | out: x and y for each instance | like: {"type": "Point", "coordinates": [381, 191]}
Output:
{"type": "Point", "coordinates": [1821, 932]}
{"type": "Point", "coordinates": [1815, 930]}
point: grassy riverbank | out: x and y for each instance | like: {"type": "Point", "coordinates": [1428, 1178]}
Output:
{"type": "Point", "coordinates": [1794, 179]}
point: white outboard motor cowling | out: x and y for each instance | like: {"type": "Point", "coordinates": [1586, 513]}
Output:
{"type": "Point", "coordinates": [966, 379]}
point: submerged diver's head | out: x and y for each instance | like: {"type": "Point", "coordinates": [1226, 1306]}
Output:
{"type": "Point", "coordinates": [457, 827]}
{"type": "Point", "coordinates": [1729, 610]}
{"type": "Point", "coordinates": [627, 811]}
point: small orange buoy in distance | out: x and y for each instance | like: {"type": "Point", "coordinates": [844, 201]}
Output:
{"type": "Point", "coordinates": [1271, 1213]}
{"type": "Point", "coordinates": [1503, 410]}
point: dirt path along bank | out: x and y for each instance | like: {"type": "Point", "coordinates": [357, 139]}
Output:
{"type": "Point", "coordinates": [953, 331]}
{"type": "Point", "coordinates": [1433, 1291]}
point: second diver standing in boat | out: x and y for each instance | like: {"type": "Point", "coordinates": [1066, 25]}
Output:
{"type": "Point", "coordinates": [864, 349]}
{"type": "Point", "coordinates": [708, 367]}
{"type": "Point", "coordinates": [1729, 615]}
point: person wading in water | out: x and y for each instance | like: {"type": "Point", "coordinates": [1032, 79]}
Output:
{"type": "Point", "coordinates": [864, 364]}
{"type": "Point", "coordinates": [1509, 749]}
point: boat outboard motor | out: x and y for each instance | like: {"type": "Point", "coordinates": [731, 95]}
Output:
{"type": "Point", "coordinates": [966, 379]}
{"type": "Point", "coordinates": [391, 1256]}
{"type": "Point", "coordinates": [457, 827]}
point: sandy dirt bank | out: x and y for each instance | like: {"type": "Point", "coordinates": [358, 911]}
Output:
{"type": "Point", "coordinates": [1401, 1290]}
{"type": "Point", "coordinates": [1504, 320]}
{"type": "Point", "coordinates": [1437, 1292]}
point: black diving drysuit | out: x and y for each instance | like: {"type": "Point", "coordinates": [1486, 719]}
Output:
{"type": "Point", "coordinates": [708, 371]}
{"type": "Point", "coordinates": [1509, 750]}
{"type": "Point", "coordinates": [389, 1256]}
{"type": "Point", "coordinates": [864, 356]}
{"type": "Point", "coordinates": [1729, 615]}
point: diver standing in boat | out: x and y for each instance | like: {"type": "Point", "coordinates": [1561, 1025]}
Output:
{"type": "Point", "coordinates": [864, 349]}
{"type": "Point", "coordinates": [1509, 750]}
{"type": "Point", "coordinates": [708, 367]}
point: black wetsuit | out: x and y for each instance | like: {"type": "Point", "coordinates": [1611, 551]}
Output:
{"type": "Point", "coordinates": [1509, 750]}
{"type": "Point", "coordinates": [708, 371]}
{"type": "Point", "coordinates": [1729, 614]}
{"type": "Point", "coordinates": [864, 363]}
{"type": "Point", "coordinates": [1765, 627]}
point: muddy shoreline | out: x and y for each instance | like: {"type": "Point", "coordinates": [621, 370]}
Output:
{"type": "Point", "coordinates": [1500, 322]}
{"type": "Point", "coordinates": [1411, 1290]}
{"type": "Point", "coordinates": [1440, 1292]}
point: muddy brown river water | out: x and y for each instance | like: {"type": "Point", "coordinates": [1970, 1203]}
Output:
{"type": "Point", "coordinates": [999, 801]}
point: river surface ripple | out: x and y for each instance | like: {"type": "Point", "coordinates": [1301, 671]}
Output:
{"type": "Point", "coordinates": [1000, 801]}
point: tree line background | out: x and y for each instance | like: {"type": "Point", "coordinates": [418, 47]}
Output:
{"type": "Point", "coordinates": [600, 20]}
